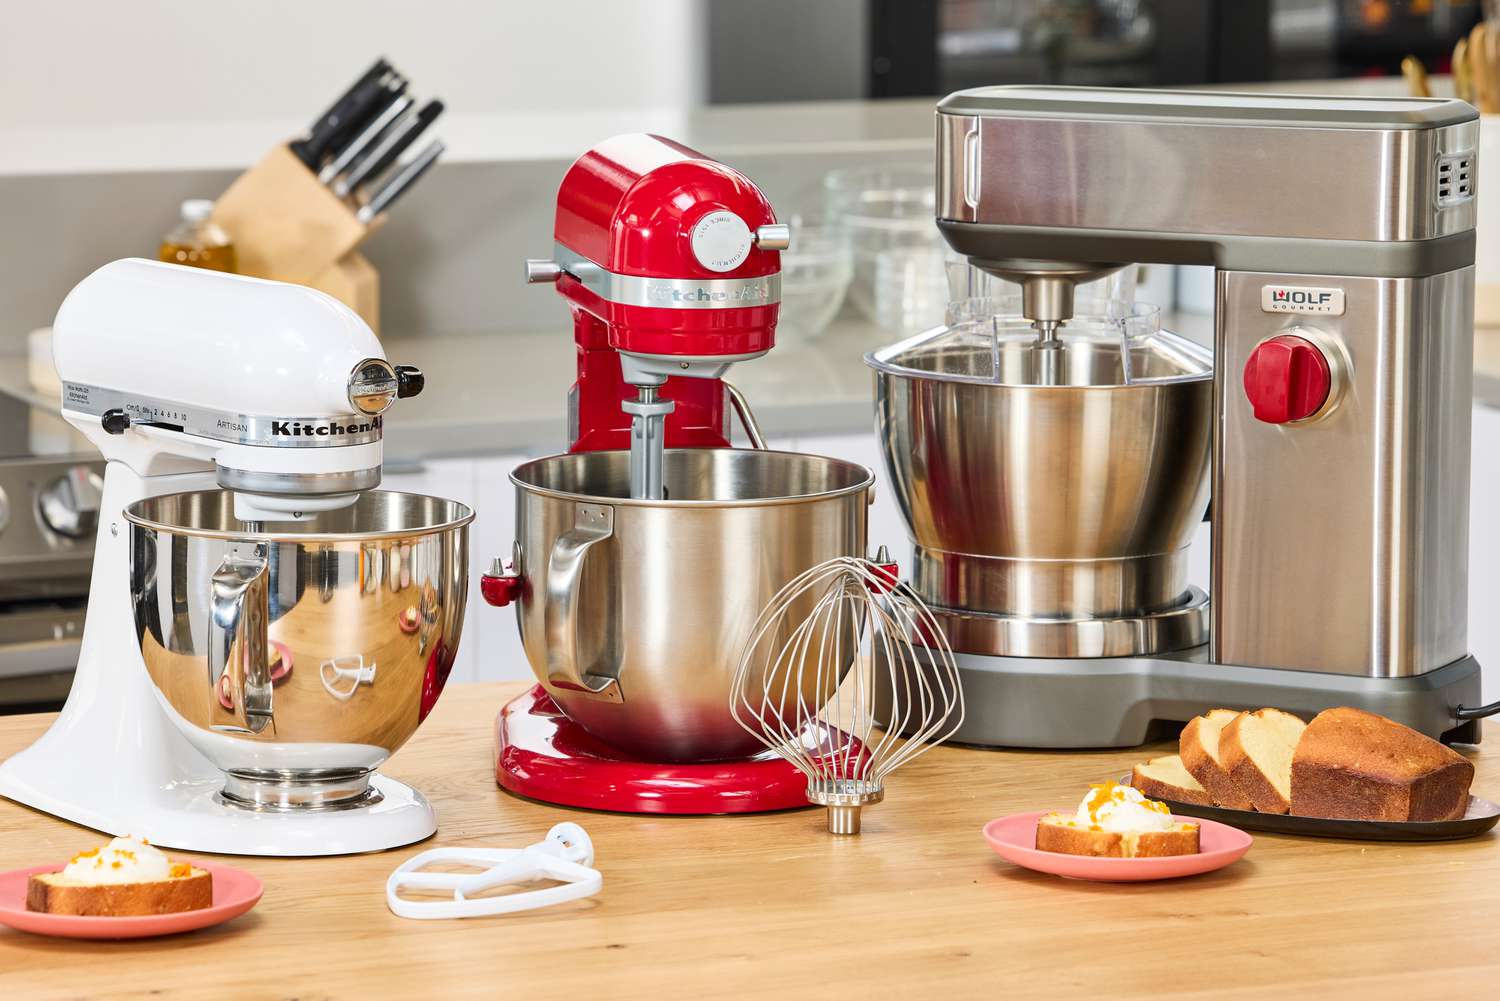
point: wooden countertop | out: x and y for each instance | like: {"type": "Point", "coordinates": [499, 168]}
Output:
{"type": "Point", "coordinates": [915, 907]}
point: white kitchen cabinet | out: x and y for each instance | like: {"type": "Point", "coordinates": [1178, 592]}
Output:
{"type": "Point", "coordinates": [490, 648]}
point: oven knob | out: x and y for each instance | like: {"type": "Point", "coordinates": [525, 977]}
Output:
{"type": "Point", "coordinates": [1287, 379]}
{"type": "Point", "coordinates": [70, 504]}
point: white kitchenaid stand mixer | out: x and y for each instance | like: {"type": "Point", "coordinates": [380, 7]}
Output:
{"type": "Point", "coordinates": [185, 383]}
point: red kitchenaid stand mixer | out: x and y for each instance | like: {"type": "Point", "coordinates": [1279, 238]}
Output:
{"type": "Point", "coordinates": [668, 262]}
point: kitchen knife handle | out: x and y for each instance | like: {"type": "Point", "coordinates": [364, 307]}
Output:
{"type": "Point", "coordinates": [366, 139]}
{"type": "Point", "coordinates": [391, 148]}
{"type": "Point", "coordinates": [397, 185]}
{"type": "Point", "coordinates": [310, 148]}
{"type": "Point", "coordinates": [335, 130]}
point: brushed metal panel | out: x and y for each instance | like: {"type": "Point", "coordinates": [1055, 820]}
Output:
{"type": "Point", "coordinates": [1340, 544]}
{"type": "Point", "coordinates": [1194, 178]}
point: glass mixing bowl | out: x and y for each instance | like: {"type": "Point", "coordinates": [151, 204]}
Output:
{"type": "Point", "coordinates": [815, 274]}
{"type": "Point", "coordinates": [881, 208]}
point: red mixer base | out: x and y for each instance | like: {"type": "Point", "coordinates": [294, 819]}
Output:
{"type": "Point", "coordinates": [543, 755]}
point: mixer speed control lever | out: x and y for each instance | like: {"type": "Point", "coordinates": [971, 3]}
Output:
{"type": "Point", "coordinates": [409, 381]}
{"type": "Point", "coordinates": [542, 272]}
{"type": "Point", "coordinates": [1287, 378]}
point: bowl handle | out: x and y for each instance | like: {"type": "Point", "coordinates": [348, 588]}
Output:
{"type": "Point", "coordinates": [237, 634]}
{"type": "Point", "coordinates": [593, 523]}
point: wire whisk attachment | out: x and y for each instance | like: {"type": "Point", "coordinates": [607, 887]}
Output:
{"type": "Point", "coordinates": [848, 676]}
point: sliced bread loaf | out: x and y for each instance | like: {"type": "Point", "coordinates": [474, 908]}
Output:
{"type": "Point", "coordinates": [1256, 749]}
{"type": "Point", "coordinates": [1355, 765]}
{"type": "Point", "coordinates": [1166, 778]}
{"type": "Point", "coordinates": [1199, 747]}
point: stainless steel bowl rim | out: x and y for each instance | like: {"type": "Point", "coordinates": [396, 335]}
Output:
{"type": "Point", "coordinates": [740, 502]}
{"type": "Point", "coordinates": [873, 360]}
{"type": "Point", "coordinates": [879, 360]}
{"type": "Point", "coordinates": [151, 524]}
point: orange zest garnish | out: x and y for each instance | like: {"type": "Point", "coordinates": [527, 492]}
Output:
{"type": "Point", "coordinates": [88, 854]}
{"type": "Point", "coordinates": [115, 864]}
{"type": "Point", "coordinates": [180, 869]}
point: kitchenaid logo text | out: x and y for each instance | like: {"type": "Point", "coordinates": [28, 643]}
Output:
{"type": "Point", "coordinates": [691, 297]}
{"type": "Point", "coordinates": [305, 429]}
{"type": "Point", "coordinates": [1298, 299]}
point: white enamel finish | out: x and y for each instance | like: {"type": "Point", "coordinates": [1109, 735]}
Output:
{"type": "Point", "coordinates": [225, 341]}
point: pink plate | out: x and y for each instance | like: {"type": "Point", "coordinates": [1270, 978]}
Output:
{"type": "Point", "coordinates": [235, 892]}
{"type": "Point", "coordinates": [1014, 838]}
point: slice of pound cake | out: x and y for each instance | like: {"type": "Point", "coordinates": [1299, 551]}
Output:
{"type": "Point", "coordinates": [1199, 746]}
{"type": "Point", "coordinates": [1116, 821]}
{"type": "Point", "coordinates": [1256, 750]}
{"type": "Point", "coordinates": [125, 878]}
{"type": "Point", "coordinates": [1166, 778]}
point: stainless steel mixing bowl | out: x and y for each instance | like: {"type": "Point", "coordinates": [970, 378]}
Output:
{"type": "Point", "coordinates": [634, 613]}
{"type": "Point", "coordinates": [298, 656]}
{"type": "Point", "coordinates": [1049, 484]}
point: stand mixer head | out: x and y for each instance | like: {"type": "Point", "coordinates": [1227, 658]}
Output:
{"type": "Point", "coordinates": [228, 370]}
{"type": "Point", "coordinates": [669, 262]}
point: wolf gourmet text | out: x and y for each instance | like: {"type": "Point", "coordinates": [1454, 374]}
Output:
{"type": "Point", "coordinates": [1299, 299]}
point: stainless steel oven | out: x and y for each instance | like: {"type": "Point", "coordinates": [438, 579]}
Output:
{"type": "Point", "coordinates": [49, 503]}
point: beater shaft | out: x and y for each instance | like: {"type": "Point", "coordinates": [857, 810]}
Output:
{"type": "Point", "coordinates": [648, 417]}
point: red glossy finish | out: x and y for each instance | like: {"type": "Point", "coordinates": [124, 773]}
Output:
{"type": "Point", "coordinates": [890, 572]}
{"type": "Point", "coordinates": [629, 205]}
{"type": "Point", "coordinates": [543, 755]}
{"type": "Point", "coordinates": [439, 666]}
{"type": "Point", "coordinates": [1287, 378]}
{"type": "Point", "coordinates": [699, 421]}
{"type": "Point", "coordinates": [500, 591]}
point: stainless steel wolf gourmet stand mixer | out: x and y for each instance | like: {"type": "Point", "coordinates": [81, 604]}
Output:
{"type": "Point", "coordinates": [644, 554]}
{"type": "Point", "coordinates": [1051, 467]}
{"type": "Point", "coordinates": [241, 551]}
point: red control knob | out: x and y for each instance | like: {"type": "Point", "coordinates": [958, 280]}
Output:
{"type": "Point", "coordinates": [1287, 379]}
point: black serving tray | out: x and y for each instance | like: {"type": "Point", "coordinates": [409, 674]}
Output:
{"type": "Point", "coordinates": [1481, 816]}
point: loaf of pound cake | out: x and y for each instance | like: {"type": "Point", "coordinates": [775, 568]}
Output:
{"type": "Point", "coordinates": [1354, 765]}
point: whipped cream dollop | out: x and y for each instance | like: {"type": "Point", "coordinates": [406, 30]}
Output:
{"type": "Point", "coordinates": [1121, 809]}
{"type": "Point", "coordinates": [123, 860]}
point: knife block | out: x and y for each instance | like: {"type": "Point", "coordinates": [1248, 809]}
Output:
{"type": "Point", "coordinates": [288, 227]}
